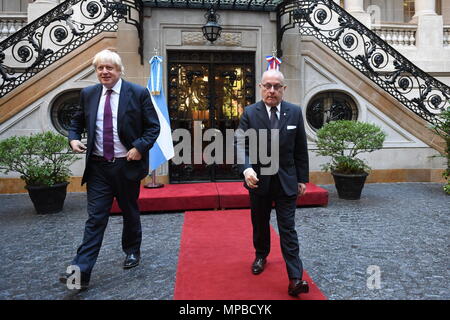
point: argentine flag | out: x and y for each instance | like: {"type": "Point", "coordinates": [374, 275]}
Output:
{"type": "Point", "coordinates": [162, 150]}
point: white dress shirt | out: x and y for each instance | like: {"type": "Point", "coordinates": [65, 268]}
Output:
{"type": "Point", "coordinates": [119, 148]}
{"type": "Point", "coordinates": [269, 112]}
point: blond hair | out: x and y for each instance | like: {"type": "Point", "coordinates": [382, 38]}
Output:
{"type": "Point", "coordinates": [108, 56]}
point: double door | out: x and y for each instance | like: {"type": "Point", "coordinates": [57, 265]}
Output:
{"type": "Point", "coordinates": [208, 90]}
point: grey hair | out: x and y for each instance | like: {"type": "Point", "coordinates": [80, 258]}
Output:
{"type": "Point", "coordinates": [273, 72]}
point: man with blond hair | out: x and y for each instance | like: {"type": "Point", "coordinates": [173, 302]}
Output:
{"type": "Point", "coordinates": [122, 125]}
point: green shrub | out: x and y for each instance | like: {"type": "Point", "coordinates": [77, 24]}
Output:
{"type": "Point", "coordinates": [343, 140]}
{"type": "Point", "coordinates": [40, 159]}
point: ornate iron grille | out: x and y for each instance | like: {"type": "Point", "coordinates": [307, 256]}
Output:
{"type": "Point", "coordinates": [210, 89]}
{"type": "Point", "coordinates": [330, 106]}
{"type": "Point", "coordinates": [251, 5]}
{"type": "Point", "coordinates": [59, 32]}
{"type": "Point", "coordinates": [63, 109]}
{"type": "Point", "coordinates": [363, 49]}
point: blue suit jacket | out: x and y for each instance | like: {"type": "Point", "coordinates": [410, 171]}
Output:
{"type": "Point", "coordinates": [293, 148]}
{"type": "Point", "coordinates": [137, 124]}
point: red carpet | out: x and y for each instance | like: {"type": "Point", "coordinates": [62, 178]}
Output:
{"type": "Point", "coordinates": [215, 256]}
{"type": "Point", "coordinates": [211, 195]}
{"type": "Point", "coordinates": [177, 197]}
{"type": "Point", "coordinates": [233, 195]}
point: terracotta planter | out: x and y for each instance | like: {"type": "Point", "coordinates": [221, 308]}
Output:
{"type": "Point", "coordinates": [48, 199]}
{"type": "Point", "coordinates": [349, 186]}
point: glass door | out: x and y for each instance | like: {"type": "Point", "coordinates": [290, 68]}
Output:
{"type": "Point", "coordinates": [208, 90]}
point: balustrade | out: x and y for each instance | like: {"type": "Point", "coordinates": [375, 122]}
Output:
{"type": "Point", "coordinates": [396, 35]}
{"type": "Point", "coordinates": [447, 36]}
{"type": "Point", "coordinates": [9, 24]}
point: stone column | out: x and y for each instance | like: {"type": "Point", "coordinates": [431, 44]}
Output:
{"type": "Point", "coordinates": [446, 12]}
{"type": "Point", "coordinates": [356, 9]}
{"type": "Point", "coordinates": [424, 8]}
{"type": "Point", "coordinates": [39, 7]}
{"type": "Point", "coordinates": [354, 6]}
{"type": "Point", "coordinates": [430, 27]}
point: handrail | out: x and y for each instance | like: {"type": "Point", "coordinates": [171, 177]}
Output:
{"type": "Point", "coordinates": [366, 51]}
{"type": "Point", "coordinates": [60, 31]}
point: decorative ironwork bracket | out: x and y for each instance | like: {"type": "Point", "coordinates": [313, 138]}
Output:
{"type": "Point", "coordinates": [59, 32]}
{"type": "Point", "coordinates": [363, 49]}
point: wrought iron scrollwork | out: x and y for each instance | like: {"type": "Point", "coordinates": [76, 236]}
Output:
{"type": "Point", "coordinates": [250, 5]}
{"type": "Point", "coordinates": [59, 32]}
{"type": "Point", "coordinates": [367, 52]}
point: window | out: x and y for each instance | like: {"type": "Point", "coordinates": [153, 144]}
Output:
{"type": "Point", "coordinates": [63, 109]}
{"type": "Point", "coordinates": [408, 10]}
{"type": "Point", "coordinates": [330, 106]}
{"type": "Point", "coordinates": [439, 7]}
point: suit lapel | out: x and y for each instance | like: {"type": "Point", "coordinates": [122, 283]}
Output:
{"type": "Point", "coordinates": [284, 115]}
{"type": "Point", "coordinates": [123, 103]}
{"type": "Point", "coordinates": [264, 117]}
{"type": "Point", "coordinates": [93, 108]}
{"type": "Point", "coordinates": [262, 114]}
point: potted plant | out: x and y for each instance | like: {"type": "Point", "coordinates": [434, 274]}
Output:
{"type": "Point", "coordinates": [43, 161]}
{"type": "Point", "coordinates": [442, 129]}
{"type": "Point", "coordinates": [343, 140]}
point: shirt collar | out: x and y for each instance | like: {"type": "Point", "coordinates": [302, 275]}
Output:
{"type": "Point", "coordinates": [115, 89]}
{"type": "Point", "coordinates": [268, 108]}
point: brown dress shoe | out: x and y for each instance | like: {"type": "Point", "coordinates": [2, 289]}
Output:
{"type": "Point", "coordinates": [297, 286]}
{"type": "Point", "coordinates": [258, 265]}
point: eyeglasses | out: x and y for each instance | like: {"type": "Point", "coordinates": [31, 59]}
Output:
{"type": "Point", "coordinates": [269, 86]}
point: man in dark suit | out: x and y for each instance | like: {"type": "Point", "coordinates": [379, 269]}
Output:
{"type": "Point", "coordinates": [282, 187]}
{"type": "Point", "coordinates": [122, 125]}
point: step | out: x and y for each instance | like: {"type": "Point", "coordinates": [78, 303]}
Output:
{"type": "Point", "coordinates": [210, 195]}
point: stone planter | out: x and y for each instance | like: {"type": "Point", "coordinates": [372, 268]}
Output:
{"type": "Point", "coordinates": [48, 199]}
{"type": "Point", "coordinates": [349, 186]}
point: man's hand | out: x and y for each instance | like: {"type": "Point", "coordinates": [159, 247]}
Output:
{"type": "Point", "coordinates": [134, 154]}
{"type": "Point", "coordinates": [77, 146]}
{"type": "Point", "coordinates": [250, 178]}
{"type": "Point", "coordinates": [301, 189]}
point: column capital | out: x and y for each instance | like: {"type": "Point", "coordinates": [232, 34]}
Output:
{"type": "Point", "coordinates": [356, 9]}
{"type": "Point", "coordinates": [39, 7]}
{"type": "Point", "coordinates": [352, 6]}
{"type": "Point", "coordinates": [424, 8]}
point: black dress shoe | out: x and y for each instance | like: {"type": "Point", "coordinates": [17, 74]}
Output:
{"type": "Point", "coordinates": [297, 286]}
{"type": "Point", "coordinates": [131, 261]}
{"type": "Point", "coordinates": [70, 282]}
{"type": "Point", "coordinates": [258, 265]}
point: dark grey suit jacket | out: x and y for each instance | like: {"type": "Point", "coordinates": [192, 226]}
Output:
{"type": "Point", "coordinates": [137, 121]}
{"type": "Point", "coordinates": [293, 148]}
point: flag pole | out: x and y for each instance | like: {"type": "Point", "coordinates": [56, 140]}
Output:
{"type": "Point", "coordinates": [162, 151]}
{"type": "Point", "coordinates": [152, 184]}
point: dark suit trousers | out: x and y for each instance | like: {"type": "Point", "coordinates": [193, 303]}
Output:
{"type": "Point", "coordinates": [261, 207]}
{"type": "Point", "coordinates": [106, 181]}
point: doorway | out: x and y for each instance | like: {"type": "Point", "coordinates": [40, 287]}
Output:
{"type": "Point", "coordinates": [211, 90]}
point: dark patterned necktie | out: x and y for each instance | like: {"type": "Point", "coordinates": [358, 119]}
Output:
{"type": "Point", "coordinates": [108, 142]}
{"type": "Point", "coordinates": [273, 118]}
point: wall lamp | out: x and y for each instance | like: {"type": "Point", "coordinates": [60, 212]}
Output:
{"type": "Point", "coordinates": [212, 29]}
